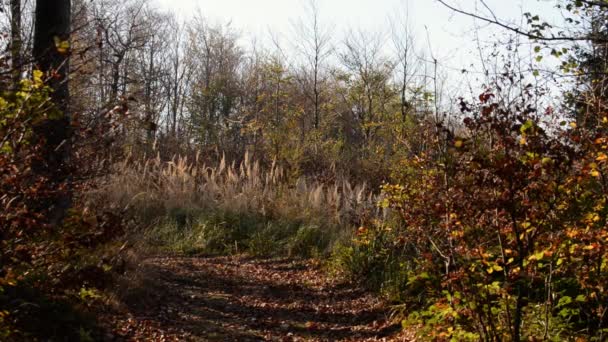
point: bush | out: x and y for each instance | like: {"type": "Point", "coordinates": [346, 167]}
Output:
{"type": "Point", "coordinates": [48, 256]}
{"type": "Point", "coordinates": [501, 231]}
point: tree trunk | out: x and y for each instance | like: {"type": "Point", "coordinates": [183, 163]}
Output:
{"type": "Point", "coordinates": [16, 43]}
{"type": "Point", "coordinates": [316, 90]}
{"type": "Point", "coordinates": [51, 52]}
{"type": "Point", "coordinates": [150, 122]}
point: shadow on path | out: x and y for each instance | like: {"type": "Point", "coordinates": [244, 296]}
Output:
{"type": "Point", "coordinates": [244, 299]}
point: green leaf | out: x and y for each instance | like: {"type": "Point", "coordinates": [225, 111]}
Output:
{"type": "Point", "coordinates": [565, 300]}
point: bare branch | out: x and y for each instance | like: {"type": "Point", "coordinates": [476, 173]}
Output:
{"type": "Point", "coordinates": [495, 21]}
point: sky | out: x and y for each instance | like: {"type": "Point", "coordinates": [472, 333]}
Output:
{"type": "Point", "coordinates": [445, 28]}
{"type": "Point", "coordinates": [449, 36]}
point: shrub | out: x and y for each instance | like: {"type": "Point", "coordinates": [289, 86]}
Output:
{"type": "Point", "coordinates": [508, 220]}
{"type": "Point", "coordinates": [44, 257]}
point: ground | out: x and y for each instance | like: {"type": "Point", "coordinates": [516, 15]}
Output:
{"type": "Point", "coordinates": [245, 299]}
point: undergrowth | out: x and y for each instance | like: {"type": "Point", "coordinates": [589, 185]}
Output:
{"type": "Point", "coordinates": [190, 208]}
{"type": "Point", "coordinates": [220, 233]}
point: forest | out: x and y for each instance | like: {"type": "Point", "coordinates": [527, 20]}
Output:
{"type": "Point", "coordinates": [173, 178]}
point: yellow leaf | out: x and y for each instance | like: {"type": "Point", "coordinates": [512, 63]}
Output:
{"type": "Point", "coordinates": [37, 75]}
{"type": "Point", "coordinates": [602, 157]}
{"type": "Point", "coordinates": [458, 143]}
{"type": "Point", "coordinates": [63, 46]}
{"type": "Point", "coordinates": [573, 124]}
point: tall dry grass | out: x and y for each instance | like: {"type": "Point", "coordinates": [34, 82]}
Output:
{"type": "Point", "coordinates": [152, 189]}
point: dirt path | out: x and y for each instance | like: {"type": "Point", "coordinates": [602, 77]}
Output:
{"type": "Point", "coordinates": [241, 299]}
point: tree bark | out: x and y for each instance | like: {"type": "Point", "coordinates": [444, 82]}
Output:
{"type": "Point", "coordinates": [16, 43]}
{"type": "Point", "coordinates": [51, 53]}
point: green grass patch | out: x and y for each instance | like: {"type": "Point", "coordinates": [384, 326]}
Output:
{"type": "Point", "coordinates": [191, 232]}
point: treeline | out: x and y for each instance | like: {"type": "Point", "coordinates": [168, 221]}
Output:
{"type": "Point", "coordinates": [200, 85]}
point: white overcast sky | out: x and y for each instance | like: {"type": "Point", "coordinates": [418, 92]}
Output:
{"type": "Point", "coordinates": [446, 29]}
{"type": "Point", "coordinates": [450, 35]}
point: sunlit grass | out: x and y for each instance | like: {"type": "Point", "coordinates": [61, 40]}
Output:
{"type": "Point", "coordinates": [190, 207]}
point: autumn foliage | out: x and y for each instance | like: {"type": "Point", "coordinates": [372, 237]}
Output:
{"type": "Point", "coordinates": [484, 222]}
{"type": "Point", "coordinates": [37, 253]}
{"type": "Point", "coordinates": [502, 231]}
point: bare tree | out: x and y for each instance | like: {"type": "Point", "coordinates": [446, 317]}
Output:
{"type": "Point", "coordinates": [150, 68]}
{"type": "Point", "coordinates": [215, 58]}
{"type": "Point", "coordinates": [121, 30]}
{"type": "Point", "coordinates": [315, 47]}
{"type": "Point", "coordinates": [178, 77]}
{"type": "Point", "coordinates": [404, 46]}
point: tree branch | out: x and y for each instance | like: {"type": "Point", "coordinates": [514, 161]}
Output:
{"type": "Point", "coordinates": [520, 31]}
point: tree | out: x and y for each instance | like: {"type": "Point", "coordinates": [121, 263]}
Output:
{"type": "Point", "coordinates": [315, 47]}
{"type": "Point", "coordinates": [403, 43]}
{"type": "Point", "coordinates": [16, 43]}
{"type": "Point", "coordinates": [51, 52]}
{"type": "Point", "coordinates": [369, 75]}
{"type": "Point", "coordinates": [150, 70]}
{"type": "Point", "coordinates": [178, 76]}
{"type": "Point", "coordinates": [214, 88]}
{"type": "Point", "coordinates": [589, 97]}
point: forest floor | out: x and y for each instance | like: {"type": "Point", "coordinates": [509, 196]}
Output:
{"type": "Point", "coordinates": [246, 299]}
